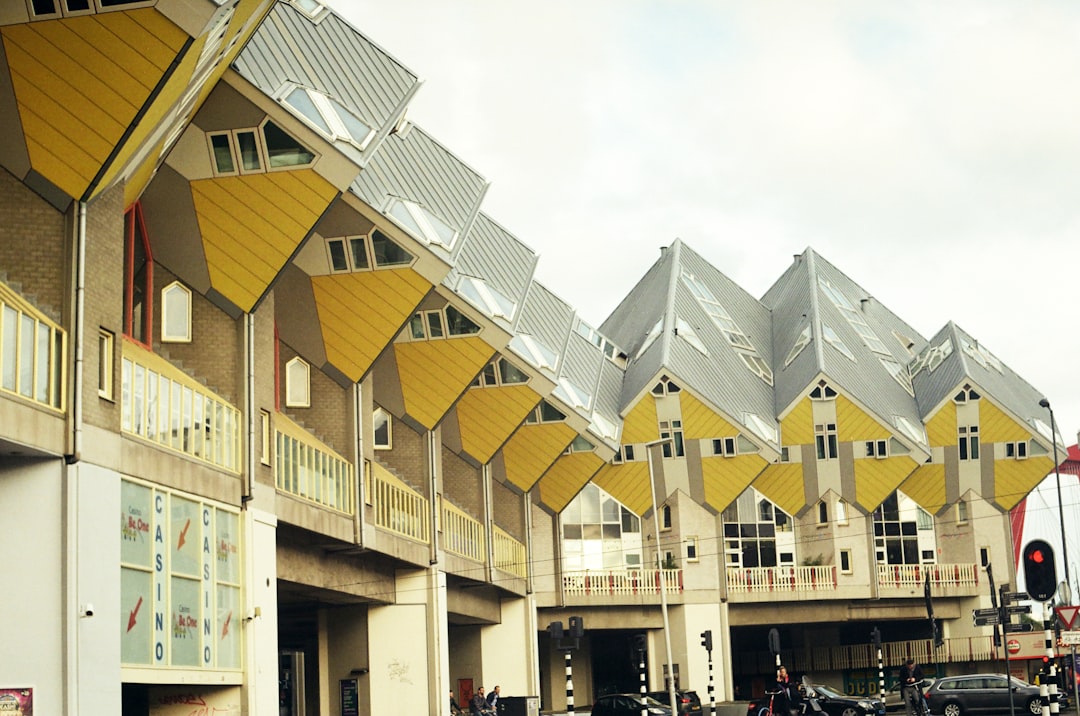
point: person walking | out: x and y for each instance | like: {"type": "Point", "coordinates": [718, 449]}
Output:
{"type": "Point", "coordinates": [911, 677]}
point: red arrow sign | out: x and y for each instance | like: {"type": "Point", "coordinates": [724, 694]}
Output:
{"type": "Point", "coordinates": [225, 629]}
{"type": "Point", "coordinates": [134, 613]}
{"type": "Point", "coordinates": [183, 535]}
{"type": "Point", "coordinates": [1067, 615]}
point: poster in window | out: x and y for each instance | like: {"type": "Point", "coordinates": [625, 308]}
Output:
{"type": "Point", "coordinates": [184, 622]}
{"type": "Point", "coordinates": [228, 627]}
{"type": "Point", "coordinates": [185, 533]}
{"type": "Point", "coordinates": [16, 701]}
{"type": "Point", "coordinates": [135, 519]}
{"type": "Point", "coordinates": [136, 616]}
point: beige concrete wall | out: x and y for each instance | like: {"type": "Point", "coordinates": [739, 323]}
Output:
{"type": "Point", "coordinates": [508, 650]}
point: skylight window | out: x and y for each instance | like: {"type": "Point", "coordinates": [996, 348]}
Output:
{"type": "Point", "coordinates": [335, 121]}
{"type": "Point", "coordinates": [760, 427]}
{"type": "Point", "coordinates": [596, 338]}
{"type": "Point", "coordinates": [801, 342]}
{"type": "Point", "coordinates": [980, 355]}
{"type": "Point", "coordinates": [727, 325]}
{"type": "Point", "coordinates": [572, 394]}
{"type": "Point", "coordinates": [908, 428]}
{"type": "Point", "coordinates": [654, 333]}
{"type": "Point", "coordinates": [486, 297]}
{"type": "Point", "coordinates": [833, 338]}
{"type": "Point", "coordinates": [685, 331]}
{"type": "Point", "coordinates": [422, 223]}
{"type": "Point", "coordinates": [932, 357]}
{"type": "Point", "coordinates": [604, 427]}
{"type": "Point", "coordinates": [534, 351]}
{"type": "Point", "coordinates": [312, 8]}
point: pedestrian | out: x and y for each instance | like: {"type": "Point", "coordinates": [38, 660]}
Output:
{"type": "Point", "coordinates": [911, 677]}
{"type": "Point", "coordinates": [493, 698]}
{"type": "Point", "coordinates": [478, 705]}
{"type": "Point", "coordinates": [787, 698]}
{"type": "Point", "coordinates": [455, 710]}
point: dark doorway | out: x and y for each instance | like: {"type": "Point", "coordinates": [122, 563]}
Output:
{"type": "Point", "coordinates": [615, 662]}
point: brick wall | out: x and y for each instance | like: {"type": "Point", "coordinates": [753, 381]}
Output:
{"type": "Point", "coordinates": [407, 457]}
{"type": "Point", "coordinates": [507, 510]}
{"type": "Point", "coordinates": [33, 246]}
{"type": "Point", "coordinates": [330, 416]}
{"type": "Point", "coordinates": [104, 302]}
{"type": "Point", "coordinates": [461, 484]}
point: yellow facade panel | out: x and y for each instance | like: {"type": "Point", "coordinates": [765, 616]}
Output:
{"type": "Point", "coordinates": [726, 478]}
{"type": "Point", "coordinates": [699, 421]}
{"type": "Point", "coordinates": [783, 484]}
{"type": "Point", "coordinates": [997, 427]}
{"type": "Point", "coordinates": [641, 425]}
{"type": "Point", "coordinates": [566, 478]}
{"type": "Point", "coordinates": [1014, 479]}
{"type": "Point", "coordinates": [487, 417]}
{"type": "Point", "coordinates": [236, 283]}
{"type": "Point", "coordinates": [42, 156]}
{"type": "Point", "coordinates": [854, 424]}
{"type": "Point", "coordinates": [926, 485]}
{"type": "Point", "coordinates": [877, 479]}
{"type": "Point", "coordinates": [73, 109]}
{"type": "Point", "coordinates": [628, 483]}
{"type": "Point", "coordinates": [941, 428]}
{"type": "Point", "coordinates": [133, 59]}
{"type": "Point", "coordinates": [433, 374]}
{"type": "Point", "coordinates": [797, 428]}
{"type": "Point", "coordinates": [532, 450]}
{"type": "Point", "coordinates": [360, 313]}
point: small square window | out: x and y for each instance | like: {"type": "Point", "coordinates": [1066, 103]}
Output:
{"type": "Point", "coordinates": [106, 348]}
{"type": "Point", "coordinates": [823, 514]}
{"type": "Point", "coordinates": [691, 549]}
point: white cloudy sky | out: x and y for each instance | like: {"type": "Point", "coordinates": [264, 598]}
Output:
{"type": "Point", "coordinates": [930, 150]}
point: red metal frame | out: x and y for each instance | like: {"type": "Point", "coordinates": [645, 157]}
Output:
{"type": "Point", "coordinates": [133, 219]}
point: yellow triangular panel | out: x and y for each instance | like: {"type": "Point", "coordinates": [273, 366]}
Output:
{"type": "Point", "coordinates": [728, 477]}
{"type": "Point", "coordinates": [699, 421]}
{"type": "Point", "coordinates": [252, 224]}
{"type": "Point", "coordinates": [628, 483]}
{"type": "Point", "coordinates": [640, 425]}
{"type": "Point", "coordinates": [360, 313]}
{"type": "Point", "coordinates": [783, 484]}
{"type": "Point", "coordinates": [877, 479]}
{"type": "Point", "coordinates": [566, 477]}
{"type": "Point", "coordinates": [487, 417]}
{"type": "Point", "coordinates": [926, 485]}
{"type": "Point", "coordinates": [853, 423]}
{"type": "Point", "coordinates": [433, 374]}
{"type": "Point", "coordinates": [532, 450]}
{"type": "Point", "coordinates": [941, 428]}
{"type": "Point", "coordinates": [1014, 479]}
{"type": "Point", "coordinates": [798, 427]}
{"type": "Point", "coordinates": [997, 427]}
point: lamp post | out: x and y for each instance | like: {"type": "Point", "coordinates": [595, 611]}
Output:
{"type": "Point", "coordinates": [663, 582]}
{"type": "Point", "coordinates": [1061, 508]}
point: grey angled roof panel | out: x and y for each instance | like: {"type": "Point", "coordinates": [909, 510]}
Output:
{"type": "Point", "coordinates": [791, 302]}
{"type": "Point", "coordinates": [498, 257]}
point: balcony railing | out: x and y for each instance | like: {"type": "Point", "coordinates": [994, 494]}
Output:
{"type": "Point", "coordinates": [397, 507]}
{"type": "Point", "coordinates": [913, 576]}
{"type": "Point", "coordinates": [32, 351]}
{"type": "Point", "coordinates": [162, 404]}
{"type": "Point", "coordinates": [462, 535]}
{"type": "Point", "coordinates": [309, 469]}
{"type": "Point", "coordinates": [509, 553]}
{"type": "Point", "coordinates": [758, 580]}
{"type": "Point", "coordinates": [622, 582]}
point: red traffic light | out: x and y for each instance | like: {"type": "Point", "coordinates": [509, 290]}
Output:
{"type": "Point", "coordinates": [1036, 556]}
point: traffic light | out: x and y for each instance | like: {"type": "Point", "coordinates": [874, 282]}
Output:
{"type": "Point", "coordinates": [577, 627]}
{"type": "Point", "coordinates": [1040, 574]}
{"type": "Point", "coordinates": [555, 630]}
{"type": "Point", "coordinates": [939, 638]}
{"type": "Point", "coordinates": [641, 642]}
{"type": "Point", "coordinates": [706, 639]}
{"type": "Point", "coordinates": [875, 638]}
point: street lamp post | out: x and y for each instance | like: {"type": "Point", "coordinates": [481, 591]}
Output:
{"type": "Point", "coordinates": [1061, 509]}
{"type": "Point", "coordinates": [663, 582]}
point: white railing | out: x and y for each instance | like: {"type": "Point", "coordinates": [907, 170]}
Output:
{"type": "Point", "coordinates": [509, 553]}
{"type": "Point", "coordinates": [622, 582]}
{"type": "Point", "coordinates": [913, 576]}
{"type": "Point", "coordinates": [309, 469]}
{"type": "Point", "coordinates": [32, 351]}
{"type": "Point", "coordinates": [397, 506]}
{"type": "Point", "coordinates": [162, 404]}
{"type": "Point", "coordinates": [756, 580]}
{"type": "Point", "coordinates": [462, 534]}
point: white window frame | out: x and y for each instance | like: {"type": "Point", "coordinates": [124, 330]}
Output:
{"type": "Point", "coordinates": [267, 433]}
{"type": "Point", "coordinates": [878, 449]}
{"type": "Point", "coordinates": [968, 437]}
{"type": "Point", "coordinates": [1017, 450]}
{"type": "Point", "coordinates": [106, 358]}
{"type": "Point", "coordinates": [841, 512]}
{"type": "Point", "coordinates": [170, 294]}
{"type": "Point", "coordinates": [845, 556]}
{"type": "Point", "coordinates": [424, 222]}
{"type": "Point", "coordinates": [692, 549]}
{"type": "Point", "coordinates": [297, 383]}
{"type": "Point", "coordinates": [963, 512]}
{"type": "Point", "coordinates": [728, 446]}
{"type": "Point", "coordinates": [335, 129]}
{"type": "Point", "coordinates": [826, 449]}
{"type": "Point", "coordinates": [389, 422]}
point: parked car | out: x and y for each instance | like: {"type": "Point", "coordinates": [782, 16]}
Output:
{"type": "Point", "coordinates": [831, 701]}
{"type": "Point", "coordinates": [981, 693]}
{"type": "Point", "coordinates": [627, 705]}
{"type": "Point", "coordinates": [689, 703]}
{"type": "Point", "coordinates": [894, 699]}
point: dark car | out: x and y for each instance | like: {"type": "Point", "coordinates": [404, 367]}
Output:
{"type": "Point", "coordinates": [831, 701]}
{"type": "Point", "coordinates": [981, 693]}
{"type": "Point", "coordinates": [627, 705]}
{"type": "Point", "coordinates": [689, 703]}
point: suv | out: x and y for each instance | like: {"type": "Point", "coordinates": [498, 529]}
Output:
{"type": "Point", "coordinates": [689, 703]}
{"type": "Point", "coordinates": [980, 693]}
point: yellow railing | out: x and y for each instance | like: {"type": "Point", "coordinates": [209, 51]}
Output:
{"type": "Point", "coordinates": [462, 535]}
{"type": "Point", "coordinates": [509, 553]}
{"type": "Point", "coordinates": [753, 580]}
{"type": "Point", "coordinates": [162, 404]}
{"type": "Point", "coordinates": [310, 469]}
{"type": "Point", "coordinates": [622, 582]}
{"type": "Point", "coordinates": [397, 506]}
{"type": "Point", "coordinates": [32, 352]}
{"type": "Point", "coordinates": [913, 576]}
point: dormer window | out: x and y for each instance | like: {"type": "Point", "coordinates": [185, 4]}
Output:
{"type": "Point", "coordinates": [544, 413]}
{"type": "Point", "coordinates": [666, 386]}
{"type": "Point", "coordinates": [967, 394]}
{"type": "Point", "coordinates": [363, 253]}
{"type": "Point", "coordinates": [329, 117]}
{"type": "Point", "coordinates": [822, 392]}
{"type": "Point", "coordinates": [439, 323]}
{"type": "Point", "coordinates": [498, 373]}
{"type": "Point", "coordinates": [422, 223]}
{"type": "Point", "coordinates": [256, 150]}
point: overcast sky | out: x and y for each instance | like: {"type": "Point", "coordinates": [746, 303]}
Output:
{"type": "Point", "coordinates": [929, 150]}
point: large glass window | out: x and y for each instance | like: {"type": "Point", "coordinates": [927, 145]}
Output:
{"type": "Point", "coordinates": [599, 532]}
{"type": "Point", "coordinates": [903, 532]}
{"type": "Point", "coordinates": [138, 278]}
{"type": "Point", "coordinates": [757, 533]}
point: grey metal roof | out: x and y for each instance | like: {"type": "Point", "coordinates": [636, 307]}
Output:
{"type": "Point", "coordinates": [413, 166]}
{"type": "Point", "coordinates": [331, 57]}
{"type": "Point", "coordinates": [791, 301]}
{"type": "Point", "coordinates": [491, 253]}
{"type": "Point", "coordinates": [545, 318]}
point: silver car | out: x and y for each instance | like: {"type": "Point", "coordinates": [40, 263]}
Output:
{"type": "Point", "coordinates": [894, 698]}
{"type": "Point", "coordinates": [982, 693]}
